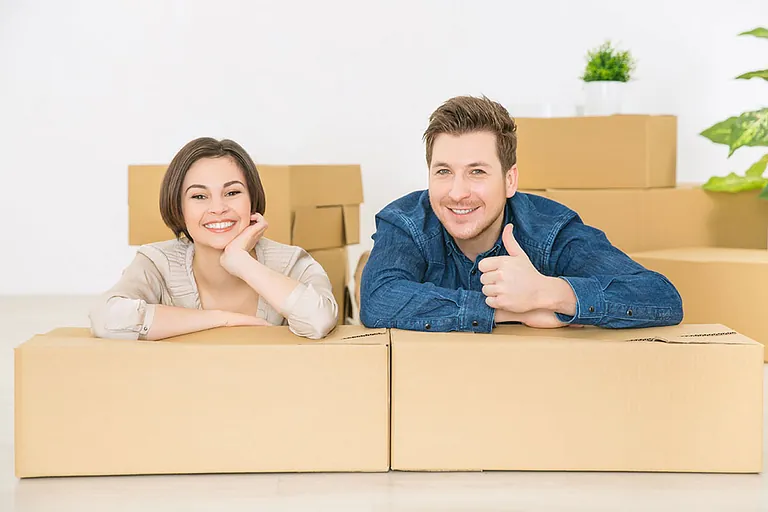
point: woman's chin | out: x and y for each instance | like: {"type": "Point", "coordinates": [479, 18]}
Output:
{"type": "Point", "coordinates": [218, 242]}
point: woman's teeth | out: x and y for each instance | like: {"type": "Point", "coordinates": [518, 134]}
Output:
{"type": "Point", "coordinates": [219, 225]}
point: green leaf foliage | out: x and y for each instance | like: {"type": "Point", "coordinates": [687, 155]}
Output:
{"type": "Point", "coordinates": [606, 63]}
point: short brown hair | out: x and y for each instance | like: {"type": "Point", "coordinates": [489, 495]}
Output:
{"type": "Point", "coordinates": [468, 114]}
{"type": "Point", "coordinates": [205, 147]}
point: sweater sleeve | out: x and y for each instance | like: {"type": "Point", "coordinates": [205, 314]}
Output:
{"type": "Point", "coordinates": [127, 309]}
{"type": "Point", "coordinates": [311, 309]}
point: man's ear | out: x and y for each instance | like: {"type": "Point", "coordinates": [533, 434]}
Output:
{"type": "Point", "coordinates": [510, 181]}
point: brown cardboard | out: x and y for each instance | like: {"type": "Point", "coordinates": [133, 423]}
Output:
{"type": "Point", "coordinates": [234, 400]}
{"type": "Point", "coordinates": [683, 399]}
{"type": "Point", "coordinates": [718, 285]}
{"type": "Point", "coordinates": [145, 225]}
{"type": "Point", "coordinates": [326, 227]}
{"type": "Point", "coordinates": [336, 265]}
{"type": "Point", "coordinates": [620, 151]}
{"type": "Point", "coordinates": [649, 219]}
{"type": "Point", "coordinates": [289, 189]}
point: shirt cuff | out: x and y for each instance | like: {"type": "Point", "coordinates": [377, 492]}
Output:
{"type": "Point", "coordinates": [590, 301]}
{"type": "Point", "coordinates": [475, 315]}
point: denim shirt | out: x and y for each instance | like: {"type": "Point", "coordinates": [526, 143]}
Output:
{"type": "Point", "coordinates": [417, 279]}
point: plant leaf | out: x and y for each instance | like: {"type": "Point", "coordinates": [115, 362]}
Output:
{"type": "Point", "coordinates": [757, 169]}
{"type": "Point", "coordinates": [764, 193]}
{"type": "Point", "coordinates": [754, 74]}
{"type": "Point", "coordinates": [758, 32]}
{"type": "Point", "coordinates": [748, 129]}
{"type": "Point", "coordinates": [720, 133]}
{"type": "Point", "coordinates": [751, 129]}
{"type": "Point", "coordinates": [734, 183]}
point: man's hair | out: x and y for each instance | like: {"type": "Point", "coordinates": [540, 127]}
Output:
{"type": "Point", "coordinates": [171, 192]}
{"type": "Point", "coordinates": [468, 114]}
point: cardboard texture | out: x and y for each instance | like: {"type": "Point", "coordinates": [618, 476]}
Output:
{"type": "Point", "coordinates": [620, 151]}
{"type": "Point", "coordinates": [336, 265]}
{"type": "Point", "coordinates": [638, 220]}
{"type": "Point", "coordinates": [683, 399]}
{"type": "Point", "coordinates": [230, 400]}
{"type": "Point", "coordinates": [722, 285]}
{"type": "Point", "coordinates": [312, 206]}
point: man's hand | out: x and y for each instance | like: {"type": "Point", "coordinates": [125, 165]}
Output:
{"type": "Point", "coordinates": [512, 282]}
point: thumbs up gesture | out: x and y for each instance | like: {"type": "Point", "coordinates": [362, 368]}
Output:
{"type": "Point", "coordinates": [511, 282]}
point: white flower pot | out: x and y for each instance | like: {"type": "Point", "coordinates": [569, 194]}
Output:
{"type": "Point", "coordinates": [603, 98]}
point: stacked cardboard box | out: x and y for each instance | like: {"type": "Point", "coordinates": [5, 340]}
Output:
{"type": "Point", "coordinates": [259, 399]}
{"type": "Point", "coordinates": [316, 207]}
{"type": "Point", "coordinates": [619, 173]}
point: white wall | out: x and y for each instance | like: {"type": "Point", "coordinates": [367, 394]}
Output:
{"type": "Point", "coordinates": [88, 87]}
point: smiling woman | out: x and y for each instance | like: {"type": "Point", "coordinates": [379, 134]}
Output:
{"type": "Point", "coordinates": [220, 270]}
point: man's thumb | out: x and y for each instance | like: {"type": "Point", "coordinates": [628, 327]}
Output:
{"type": "Point", "coordinates": [510, 244]}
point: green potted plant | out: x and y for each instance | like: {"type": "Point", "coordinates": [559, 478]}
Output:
{"type": "Point", "coordinates": [605, 77]}
{"type": "Point", "coordinates": [748, 129]}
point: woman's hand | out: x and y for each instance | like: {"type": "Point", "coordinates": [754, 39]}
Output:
{"type": "Point", "coordinates": [237, 252]}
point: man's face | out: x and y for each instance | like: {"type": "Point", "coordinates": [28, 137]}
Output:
{"type": "Point", "coordinates": [467, 186]}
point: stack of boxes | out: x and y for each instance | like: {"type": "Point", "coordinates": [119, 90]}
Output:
{"type": "Point", "coordinates": [316, 207]}
{"type": "Point", "coordinates": [619, 173]}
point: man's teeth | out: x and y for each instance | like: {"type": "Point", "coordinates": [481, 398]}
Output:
{"type": "Point", "coordinates": [462, 212]}
{"type": "Point", "coordinates": [219, 225]}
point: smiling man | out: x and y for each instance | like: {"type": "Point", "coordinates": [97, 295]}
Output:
{"type": "Point", "coordinates": [472, 251]}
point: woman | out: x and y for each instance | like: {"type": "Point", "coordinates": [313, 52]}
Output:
{"type": "Point", "coordinates": [220, 270]}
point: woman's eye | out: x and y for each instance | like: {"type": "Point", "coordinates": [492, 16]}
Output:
{"type": "Point", "coordinates": [234, 192]}
{"type": "Point", "coordinates": [198, 196]}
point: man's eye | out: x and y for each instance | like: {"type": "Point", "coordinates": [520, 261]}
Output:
{"type": "Point", "coordinates": [442, 171]}
{"type": "Point", "coordinates": [478, 171]}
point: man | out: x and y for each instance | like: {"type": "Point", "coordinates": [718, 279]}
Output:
{"type": "Point", "coordinates": [472, 251]}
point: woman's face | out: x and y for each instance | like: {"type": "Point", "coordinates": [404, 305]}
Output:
{"type": "Point", "coordinates": [215, 201]}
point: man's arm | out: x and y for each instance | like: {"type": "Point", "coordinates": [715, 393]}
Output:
{"type": "Point", "coordinates": [393, 295]}
{"type": "Point", "coordinates": [611, 289]}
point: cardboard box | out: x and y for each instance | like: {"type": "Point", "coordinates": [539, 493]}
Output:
{"type": "Point", "coordinates": [684, 399]}
{"type": "Point", "coordinates": [637, 220]}
{"type": "Point", "coordinates": [312, 206]}
{"type": "Point", "coordinates": [620, 151]}
{"type": "Point", "coordinates": [336, 265]}
{"type": "Point", "coordinates": [229, 400]}
{"type": "Point", "coordinates": [718, 285]}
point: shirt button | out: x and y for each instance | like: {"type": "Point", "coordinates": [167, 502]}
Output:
{"type": "Point", "coordinates": [473, 272]}
{"type": "Point", "coordinates": [629, 312]}
{"type": "Point", "coordinates": [427, 326]}
{"type": "Point", "coordinates": [474, 323]}
{"type": "Point", "coordinates": [591, 309]}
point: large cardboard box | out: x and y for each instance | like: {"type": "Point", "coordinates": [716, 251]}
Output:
{"type": "Point", "coordinates": [312, 206]}
{"type": "Point", "coordinates": [718, 285]}
{"type": "Point", "coordinates": [620, 151]}
{"type": "Point", "coordinates": [662, 218]}
{"type": "Point", "coordinates": [336, 265]}
{"type": "Point", "coordinates": [228, 400]}
{"type": "Point", "coordinates": [683, 399]}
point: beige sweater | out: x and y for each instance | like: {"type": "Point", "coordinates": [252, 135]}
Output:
{"type": "Point", "coordinates": [161, 273]}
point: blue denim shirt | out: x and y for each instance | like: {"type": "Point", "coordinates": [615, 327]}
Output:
{"type": "Point", "coordinates": [417, 279]}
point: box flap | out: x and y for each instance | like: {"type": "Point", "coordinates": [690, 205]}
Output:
{"type": "Point", "coordinates": [276, 335]}
{"type": "Point", "coordinates": [318, 228]}
{"type": "Point", "coordinates": [711, 334]}
{"type": "Point", "coordinates": [351, 224]}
